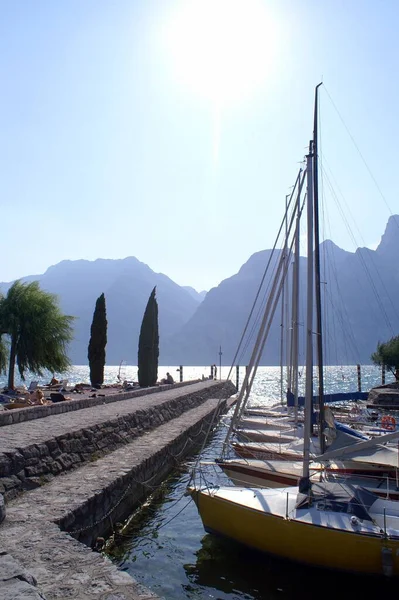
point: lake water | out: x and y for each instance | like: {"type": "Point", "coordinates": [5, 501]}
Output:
{"type": "Point", "coordinates": [165, 547]}
{"type": "Point", "coordinates": [266, 386]}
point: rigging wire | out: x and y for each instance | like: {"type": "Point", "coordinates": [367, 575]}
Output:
{"type": "Point", "coordinates": [360, 154]}
{"type": "Point", "coordinates": [267, 290]}
{"type": "Point", "coordinates": [362, 260]}
{"type": "Point", "coordinates": [356, 244]}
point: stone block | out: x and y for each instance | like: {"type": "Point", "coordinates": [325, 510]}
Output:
{"type": "Point", "coordinates": [2, 511]}
{"type": "Point", "coordinates": [65, 461]}
{"type": "Point", "coordinates": [43, 450]}
{"type": "Point", "coordinates": [15, 589]}
{"type": "Point", "coordinates": [65, 445]}
{"type": "Point", "coordinates": [31, 462]}
{"type": "Point", "coordinates": [10, 482]}
{"type": "Point", "coordinates": [55, 468]}
{"type": "Point", "coordinates": [10, 568]}
{"type": "Point", "coordinates": [18, 461]}
{"type": "Point", "coordinates": [35, 470]}
{"type": "Point", "coordinates": [21, 475]}
{"type": "Point", "coordinates": [6, 466]}
{"type": "Point", "coordinates": [75, 458]}
{"type": "Point", "coordinates": [52, 445]}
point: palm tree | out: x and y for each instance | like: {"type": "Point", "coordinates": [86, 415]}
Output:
{"type": "Point", "coordinates": [37, 331]}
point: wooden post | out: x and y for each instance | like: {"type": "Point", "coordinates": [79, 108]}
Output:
{"type": "Point", "coordinates": [237, 377]}
{"type": "Point", "coordinates": [383, 374]}
{"type": "Point", "coordinates": [181, 373]}
{"type": "Point", "coordinates": [359, 378]}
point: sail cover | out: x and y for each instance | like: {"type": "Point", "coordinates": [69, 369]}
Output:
{"type": "Point", "coordinates": [339, 397]}
{"type": "Point", "coordinates": [339, 497]}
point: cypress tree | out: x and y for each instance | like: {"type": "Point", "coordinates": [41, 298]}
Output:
{"type": "Point", "coordinates": [149, 344]}
{"type": "Point", "coordinates": [98, 341]}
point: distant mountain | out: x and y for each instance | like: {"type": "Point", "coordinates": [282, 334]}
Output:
{"type": "Point", "coordinates": [359, 294]}
{"type": "Point", "coordinates": [127, 284]}
{"type": "Point", "coordinates": [199, 296]}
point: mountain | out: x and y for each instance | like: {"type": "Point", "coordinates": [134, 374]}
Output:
{"type": "Point", "coordinates": [199, 296]}
{"type": "Point", "coordinates": [359, 295]}
{"type": "Point", "coordinates": [127, 284]}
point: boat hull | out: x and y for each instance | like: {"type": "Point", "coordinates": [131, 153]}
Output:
{"type": "Point", "coordinates": [249, 475]}
{"type": "Point", "coordinates": [296, 541]}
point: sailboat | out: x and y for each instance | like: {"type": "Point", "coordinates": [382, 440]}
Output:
{"type": "Point", "coordinates": [326, 524]}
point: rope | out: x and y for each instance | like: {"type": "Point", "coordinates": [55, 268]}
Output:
{"type": "Point", "coordinates": [133, 482]}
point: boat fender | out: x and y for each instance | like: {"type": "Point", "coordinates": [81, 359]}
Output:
{"type": "Point", "coordinates": [387, 561]}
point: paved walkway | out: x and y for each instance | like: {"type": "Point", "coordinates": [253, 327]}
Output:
{"type": "Point", "coordinates": [63, 567]}
{"type": "Point", "coordinates": [21, 435]}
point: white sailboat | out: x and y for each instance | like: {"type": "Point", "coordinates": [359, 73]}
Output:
{"type": "Point", "coordinates": [334, 525]}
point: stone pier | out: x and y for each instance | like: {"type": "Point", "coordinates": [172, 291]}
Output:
{"type": "Point", "coordinates": [68, 477]}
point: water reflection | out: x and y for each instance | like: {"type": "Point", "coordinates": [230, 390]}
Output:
{"type": "Point", "coordinates": [232, 571]}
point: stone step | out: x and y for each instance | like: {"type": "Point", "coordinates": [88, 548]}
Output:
{"type": "Point", "coordinates": [85, 501]}
{"type": "Point", "coordinates": [34, 452]}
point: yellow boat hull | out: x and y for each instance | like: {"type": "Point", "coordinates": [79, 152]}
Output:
{"type": "Point", "coordinates": [295, 540]}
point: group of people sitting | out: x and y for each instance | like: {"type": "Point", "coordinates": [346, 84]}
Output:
{"type": "Point", "coordinates": [21, 396]}
{"type": "Point", "coordinates": [24, 397]}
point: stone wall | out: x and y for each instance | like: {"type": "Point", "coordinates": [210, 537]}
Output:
{"type": "Point", "coordinates": [34, 465]}
{"type": "Point", "coordinates": [97, 516]}
{"type": "Point", "coordinates": [20, 415]}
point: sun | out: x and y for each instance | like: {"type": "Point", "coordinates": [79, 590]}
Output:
{"type": "Point", "coordinates": [222, 50]}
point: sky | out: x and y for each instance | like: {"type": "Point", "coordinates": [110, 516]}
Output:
{"type": "Point", "coordinates": [172, 130]}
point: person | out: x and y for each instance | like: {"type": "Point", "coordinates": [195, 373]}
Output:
{"type": "Point", "coordinates": [54, 381]}
{"type": "Point", "coordinates": [37, 397]}
{"type": "Point", "coordinates": [168, 379]}
{"type": "Point", "coordinates": [215, 371]}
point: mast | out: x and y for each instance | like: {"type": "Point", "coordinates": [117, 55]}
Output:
{"type": "Point", "coordinates": [317, 271]}
{"type": "Point", "coordinates": [283, 309]}
{"type": "Point", "coordinates": [295, 306]}
{"type": "Point", "coordinates": [287, 328]}
{"type": "Point", "coordinates": [304, 484]}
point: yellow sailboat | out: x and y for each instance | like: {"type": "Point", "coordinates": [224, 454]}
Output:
{"type": "Point", "coordinates": [334, 525]}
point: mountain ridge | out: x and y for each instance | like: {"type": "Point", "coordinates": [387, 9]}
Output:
{"type": "Point", "coordinates": [359, 286]}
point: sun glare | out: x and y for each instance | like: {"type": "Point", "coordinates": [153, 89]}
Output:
{"type": "Point", "coordinates": [221, 49]}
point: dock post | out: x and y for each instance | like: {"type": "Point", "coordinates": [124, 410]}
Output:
{"type": "Point", "coordinates": [237, 377]}
{"type": "Point", "coordinates": [383, 374]}
{"type": "Point", "coordinates": [359, 378]}
{"type": "Point", "coordinates": [181, 373]}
